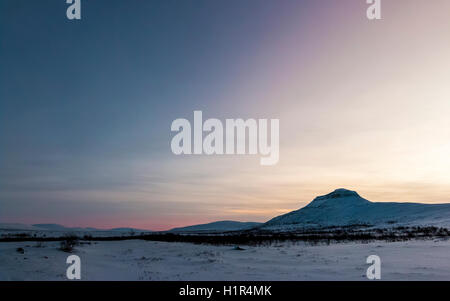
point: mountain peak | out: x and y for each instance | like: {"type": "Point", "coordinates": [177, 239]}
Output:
{"type": "Point", "coordinates": [339, 196]}
{"type": "Point", "coordinates": [339, 193]}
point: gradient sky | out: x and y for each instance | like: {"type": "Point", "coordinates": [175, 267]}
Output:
{"type": "Point", "coordinates": [86, 107]}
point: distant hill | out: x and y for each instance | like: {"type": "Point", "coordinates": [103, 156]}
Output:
{"type": "Point", "coordinates": [344, 207]}
{"type": "Point", "coordinates": [220, 226]}
{"type": "Point", "coordinates": [61, 228]}
{"type": "Point", "coordinates": [53, 227]}
{"type": "Point", "coordinates": [128, 230]}
{"type": "Point", "coordinates": [16, 226]}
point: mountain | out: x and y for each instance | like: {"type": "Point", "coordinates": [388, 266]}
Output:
{"type": "Point", "coordinates": [53, 227]}
{"type": "Point", "coordinates": [56, 227]}
{"type": "Point", "coordinates": [344, 207]}
{"type": "Point", "coordinates": [16, 226]}
{"type": "Point", "coordinates": [219, 226]}
{"type": "Point", "coordinates": [128, 230]}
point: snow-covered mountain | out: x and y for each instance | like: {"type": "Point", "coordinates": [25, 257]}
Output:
{"type": "Point", "coordinates": [219, 226]}
{"type": "Point", "coordinates": [56, 227]}
{"type": "Point", "coordinates": [63, 229]}
{"type": "Point", "coordinates": [344, 207]}
{"type": "Point", "coordinates": [17, 226]}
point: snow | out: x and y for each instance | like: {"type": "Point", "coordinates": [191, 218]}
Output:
{"type": "Point", "coordinates": [148, 260]}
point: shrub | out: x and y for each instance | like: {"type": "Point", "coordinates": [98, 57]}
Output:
{"type": "Point", "coordinates": [68, 244]}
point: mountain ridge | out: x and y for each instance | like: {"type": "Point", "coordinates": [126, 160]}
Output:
{"type": "Point", "coordinates": [344, 207]}
{"type": "Point", "coordinates": [217, 226]}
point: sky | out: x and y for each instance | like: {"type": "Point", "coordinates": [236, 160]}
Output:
{"type": "Point", "coordinates": [86, 107]}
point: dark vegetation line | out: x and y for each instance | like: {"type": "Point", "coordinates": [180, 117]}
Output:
{"type": "Point", "coordinates": [253, 237]}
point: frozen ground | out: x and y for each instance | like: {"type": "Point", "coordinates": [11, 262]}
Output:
{"type": "Point", "coordinates": [148, 260]}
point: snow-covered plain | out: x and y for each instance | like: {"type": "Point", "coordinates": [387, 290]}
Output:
{"type": "Point", "coordinates": [149, 260]}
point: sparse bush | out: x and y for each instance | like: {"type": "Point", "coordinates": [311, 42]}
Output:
{"type": "Point", "coordinates": [68, 244]}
